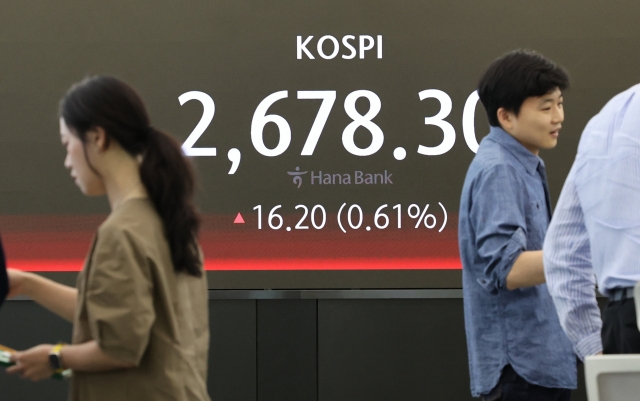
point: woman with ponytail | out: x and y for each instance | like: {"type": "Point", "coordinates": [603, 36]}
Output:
{"type": "Point", "coordinates": [139, 311]}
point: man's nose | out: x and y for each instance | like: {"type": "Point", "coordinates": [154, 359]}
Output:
{"type": "Point", "coordinates": [558, 116]}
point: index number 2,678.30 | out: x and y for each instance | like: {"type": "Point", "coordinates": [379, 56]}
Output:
{"type": "Point", "coordinates": [261, 118]}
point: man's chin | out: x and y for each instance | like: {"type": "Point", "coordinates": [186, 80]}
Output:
{"type": "Point", "coordinates": [550, 144]}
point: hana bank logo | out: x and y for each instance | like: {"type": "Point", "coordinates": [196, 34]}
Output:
{"type": "Point", "coordinates": [357, 178]}
{"type": "Point", "coordinates": [297, 179]}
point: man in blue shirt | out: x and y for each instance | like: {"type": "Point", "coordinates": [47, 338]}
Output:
{"type": "Point", "coordinates": [517, 349]}
{"type": "Point", "coordinates": [596, 229]}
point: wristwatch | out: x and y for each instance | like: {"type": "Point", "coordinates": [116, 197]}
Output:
{"type": "Point", "coordinates": [55, 360]}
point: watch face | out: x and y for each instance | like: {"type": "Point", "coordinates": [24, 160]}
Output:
{"type": "Point", "coordinates": [54, 361]}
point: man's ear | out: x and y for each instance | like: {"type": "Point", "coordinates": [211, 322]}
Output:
{"type": "Point", "coordinates": [98, 138]}
{"type": "Point", "coordinates": [505, 118]}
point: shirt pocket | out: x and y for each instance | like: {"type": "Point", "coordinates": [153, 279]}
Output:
{"type": "Point", "coordinates": [536, 218]}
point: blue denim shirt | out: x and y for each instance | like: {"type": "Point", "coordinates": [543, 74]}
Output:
{"type": "Point", "coordinates": [504, 211]}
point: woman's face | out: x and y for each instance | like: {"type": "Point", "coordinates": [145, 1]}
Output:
{"type": "Point", "coordinates": [76, 161]}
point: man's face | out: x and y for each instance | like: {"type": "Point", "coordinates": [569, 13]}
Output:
{"type": "Point", "coordinates": [538, 124]}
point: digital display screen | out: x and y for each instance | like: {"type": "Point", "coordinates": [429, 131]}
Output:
{"type": "Point", "coordinates": [331, 138]}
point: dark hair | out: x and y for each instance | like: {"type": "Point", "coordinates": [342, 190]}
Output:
{"type": "Point", "coordinates": [168, 177]}
{"type": "Point", "coordinates": [516, 76]}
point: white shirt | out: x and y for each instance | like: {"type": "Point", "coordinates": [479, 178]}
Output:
{"type": "Point", "coordinates": [596, 224]}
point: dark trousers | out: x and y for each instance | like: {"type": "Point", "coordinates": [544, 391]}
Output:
{"type": "Point", "coordinates": [512, 387]}
{"type": "Point", "coordinates": [620, 333]}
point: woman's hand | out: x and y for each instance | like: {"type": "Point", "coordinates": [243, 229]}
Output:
{"type": "Point", "coordinates": [32, 364]}
{"type": "Point", "coordinates": [86, 357]}
{"type": "Point", "coordinates": [17, 282]}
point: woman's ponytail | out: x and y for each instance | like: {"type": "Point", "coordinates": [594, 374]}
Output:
{"type": "Point", "coordinates": [169, 181]}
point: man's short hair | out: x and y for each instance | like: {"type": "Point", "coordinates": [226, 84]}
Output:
{"type": "Point", "coordinates": [514, 77]}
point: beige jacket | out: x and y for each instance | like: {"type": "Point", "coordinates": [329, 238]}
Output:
{"type": "Point", "coordinates": [138, 309]}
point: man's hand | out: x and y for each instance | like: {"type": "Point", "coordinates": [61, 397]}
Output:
{"type": "Point", "coordinates": [527, 271]}
{"type": "Point", "coordinates": [32, 364]}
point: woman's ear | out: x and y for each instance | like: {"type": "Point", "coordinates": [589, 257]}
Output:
{"type": "Point", "coordinates": [98, 138]}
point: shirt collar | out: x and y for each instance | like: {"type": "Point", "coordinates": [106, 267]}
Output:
{"type": "Point", "coordinates": [522, 154]}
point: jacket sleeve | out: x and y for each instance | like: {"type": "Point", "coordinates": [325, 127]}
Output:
{"type": "Point", "coordinates": [498, 219]}
{"type": "Point", "coordinates": [569, 273]}
{"type": "Point", "coordinates": [119, 296]}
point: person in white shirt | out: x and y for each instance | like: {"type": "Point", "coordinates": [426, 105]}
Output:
{"type": "Point", "coordinates": [596, 231]}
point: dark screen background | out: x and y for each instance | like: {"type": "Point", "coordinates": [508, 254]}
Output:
{"type": "Point", "coordinates": [239, 52]}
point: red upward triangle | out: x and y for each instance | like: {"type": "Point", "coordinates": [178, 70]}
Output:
{"type": "Point", "coordinates": [239, 219]}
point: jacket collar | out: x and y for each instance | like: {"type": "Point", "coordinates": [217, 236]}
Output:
{"type": "Point", "coordinates": [522, 154]}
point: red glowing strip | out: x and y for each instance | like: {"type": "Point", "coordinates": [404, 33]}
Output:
{"type": "Point", "coordinates": [74, 265]}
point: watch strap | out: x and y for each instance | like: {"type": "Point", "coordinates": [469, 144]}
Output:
{"type": "Point", "coordinates": [54, 358]}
